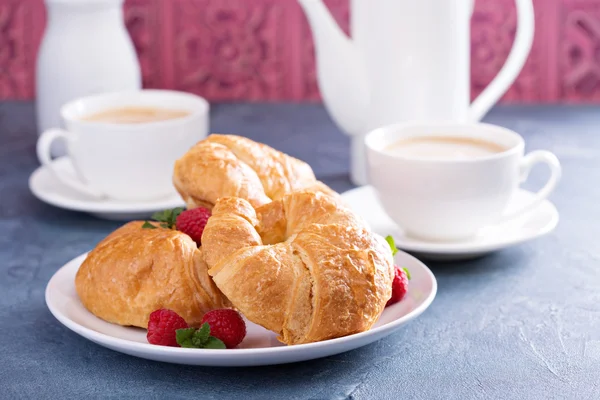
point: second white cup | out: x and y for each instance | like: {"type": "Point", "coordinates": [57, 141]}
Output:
{"type": "Point", "coordinates": [436, 184]}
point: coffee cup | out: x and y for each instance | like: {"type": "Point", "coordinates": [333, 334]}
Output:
{"type": "Point", "coordinates": [446, 181]}
{"type": "Point", "coordinates": [123, 145]}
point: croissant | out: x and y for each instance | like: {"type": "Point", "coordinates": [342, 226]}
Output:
{"type": "Point", "coordinates": [229, 165]}
{"type": "Point", "coordinates": [303, 266]}
{"type": "Point", "coordinates": [135, 271]}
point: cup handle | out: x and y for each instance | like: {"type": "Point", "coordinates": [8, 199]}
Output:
{"type": "Point", "coordinates": [527, 163]}
{"type": "Point", "coordinates": [43, 147]}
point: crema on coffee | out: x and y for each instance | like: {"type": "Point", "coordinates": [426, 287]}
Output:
{"type": "Point", "coordinates": [135, 115]}
{"type": "Point", "coordinates": [443, 147]}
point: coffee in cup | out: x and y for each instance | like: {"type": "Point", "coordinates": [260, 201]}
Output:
{"type": "Point", "coordinates": [135, 115]}
{"type": "Point", "coordinates": [443, 147]}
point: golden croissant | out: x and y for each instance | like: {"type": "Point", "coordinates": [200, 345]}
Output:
{"type": "Point", "coordinates": [134, 271]}
{"type": "Point", "coordinates": [229, 165]}
{"type": "Point", "coordinates": [303, 266]}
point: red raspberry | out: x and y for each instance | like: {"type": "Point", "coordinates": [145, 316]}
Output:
{"type": "Point", "coordinates": [227, 325]}
{"type": "Point", "coordinates": [399, 286]}
{"type": "Point", "coordinates": [192, 222]}
{"type": "Point", "coordinates": [162, 327]}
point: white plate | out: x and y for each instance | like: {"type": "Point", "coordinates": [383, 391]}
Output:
{"type": "Point", "coordinates": [260, 346]}
{"type": "Point", "coordinates": [537, 223]}
{"type": "Point", "coordinates": [48, 189]}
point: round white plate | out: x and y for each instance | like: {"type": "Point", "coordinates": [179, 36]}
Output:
{"type": "Point", "coordinates": [260, 347]}
{"type": "Point", "coordinates": [539, 222]}
{"type": "Point", "coordinates": [44, 185]}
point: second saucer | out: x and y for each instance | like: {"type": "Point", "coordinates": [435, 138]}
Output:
{"type": "Point", "coordinates": [44, 185]}
{"type": "Point", "coordinates": [538, 222]}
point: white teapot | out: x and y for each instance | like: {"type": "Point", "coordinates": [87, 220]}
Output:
{"type": "Point", "coordinates": [407, 60]}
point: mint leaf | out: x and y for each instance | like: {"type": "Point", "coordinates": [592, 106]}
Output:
{"type": "Point", "coordinates": [148, 225]}
{"type": "Point", "coordinates": [161, 216]}
{"type": "Point", "coordinates": [201, 335]}
{"type": "Point", "coordinates": [392, 245]}
{"type": "Point", "coordinates": [167, 217]}
{"type": "Point", "coordinates": [193, 338]}
{"type": "Point", "coordinates": [184, 337]}
{"type": "Point", "coordinates": [184, 333]}
{"type": "Point", "coordinates": [214, 343]}
{"type": "Point", "coordinates": [407, 272]}
{"type": "Point", "coordinates": [174, 214]}
{"type": "Point", "coordinates": [187, 344]}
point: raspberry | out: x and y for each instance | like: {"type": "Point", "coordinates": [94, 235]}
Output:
{"type": "Point", "coordinates": [192, 223]}
{"type": "Point", "coordinates": [227, 325]}
{"type": "Point", "coordinates": [399, 286]}
{"type": "Point", "coordinates": [162, 327]}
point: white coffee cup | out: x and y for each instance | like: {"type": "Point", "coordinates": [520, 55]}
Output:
{"type": "Point", "coordinates": [448, 199]}
{"type": "Point", "coordinates": [130, 162]}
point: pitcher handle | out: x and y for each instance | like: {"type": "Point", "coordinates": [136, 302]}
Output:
{"type": "Point", "coordinates": [513, 65]}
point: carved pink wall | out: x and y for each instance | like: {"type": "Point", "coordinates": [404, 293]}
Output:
{"type": "Point", "coordinates": [261, 50]}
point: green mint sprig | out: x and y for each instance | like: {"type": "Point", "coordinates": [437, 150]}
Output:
{"type": "Point", "coordinates": [166, 218]}
{"type": "Point", "coordinates": [193, 338]}
{"type": "Point", "coordinates": [390, 240]}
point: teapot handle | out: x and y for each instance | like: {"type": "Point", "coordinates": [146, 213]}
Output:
{"type": "Point", "coordinates": [513, 65]}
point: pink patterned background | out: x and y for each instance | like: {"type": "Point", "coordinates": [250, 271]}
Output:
{"type": "Point", "coordinates": [261, 50]}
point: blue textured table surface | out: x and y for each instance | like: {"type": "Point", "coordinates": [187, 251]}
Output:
{"type": "Point", "coordinates": [523, 323]}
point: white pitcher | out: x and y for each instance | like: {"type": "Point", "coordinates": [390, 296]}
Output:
{"type": "Point", "coordinates": [85, 50]}
{"type": "Point", "coordinates": [407, 60]}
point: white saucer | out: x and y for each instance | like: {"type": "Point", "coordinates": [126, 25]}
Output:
{"type": "Point", "coordinates": [48, 189]}
{"type": "Point", "coordinates": [260, 347]}
{"type": "Point", "coordinates": [535, 224]}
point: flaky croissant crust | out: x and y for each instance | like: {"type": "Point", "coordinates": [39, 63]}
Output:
{"type": "Point", "coordinates": [135, 271]}
{"type": "Point", "coordinates": [229, 165]}
{"type": "Point", "coordinates": [303, 266]}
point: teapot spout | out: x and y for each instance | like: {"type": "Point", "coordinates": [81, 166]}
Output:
{"type": "Point", "coordinates": [340, 69]}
